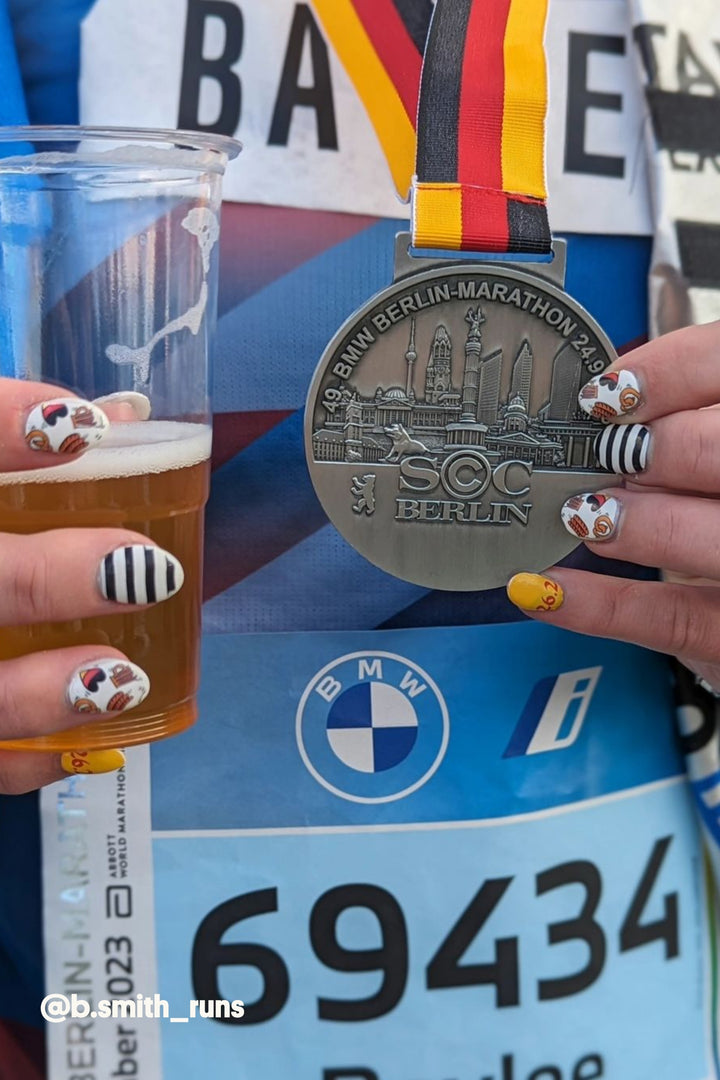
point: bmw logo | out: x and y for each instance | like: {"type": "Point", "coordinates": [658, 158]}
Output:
{"type": "Point", "coordinates": [372, 727]}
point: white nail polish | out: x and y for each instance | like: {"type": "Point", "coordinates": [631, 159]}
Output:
{"type": "Point", "coordinates": [107, 685]}
{"type": "Point", "coordinates": [65, 426]}
{"type": "Point", "coordinates": [592, 516]}
{"type": "Point", "coordinates": [610, 394]}
{"type": "Point", "coordinates": [139, 403]}
{"type": "Point", "coordinates": [140, 574]}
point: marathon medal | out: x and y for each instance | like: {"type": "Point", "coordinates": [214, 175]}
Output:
{"type": "Point", "coordinates": [442, 429]}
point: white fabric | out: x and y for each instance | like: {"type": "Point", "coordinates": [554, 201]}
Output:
{"type": "Point", "coordinates": [685, 183]}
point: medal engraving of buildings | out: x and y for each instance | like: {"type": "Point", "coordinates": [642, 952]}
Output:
{"type": "Point", "coordinates": [398, 421]}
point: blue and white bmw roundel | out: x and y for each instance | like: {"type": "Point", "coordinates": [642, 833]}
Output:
{"type": "Point", "coordinates": [372, 727]}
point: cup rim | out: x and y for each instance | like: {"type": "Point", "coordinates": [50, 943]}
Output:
{"type": "Point", "coordinates": [224, 145]}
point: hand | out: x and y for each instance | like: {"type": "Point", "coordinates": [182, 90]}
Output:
{"type": "Point", "coordinates": [60, 575]}
{"type": "Point", "coordinates": [663, 433]}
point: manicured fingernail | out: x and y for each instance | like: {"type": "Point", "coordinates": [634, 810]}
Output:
{"type": "Point", "coordinates": [623, 448]}
{"type": "Point", "coordinates": [139, 574]}
{"type": "Point", "coordinates": [92, 761]}
{"type": "Point", "coordinates": [613, 393]}
{"type": "Point", "coordinates": [591, 517]}
{"type": "Point", "coordinates": [138, 405]}
{"type": "Point", "coordinates": [535, 592]}
{"type": "Point", "coordinates": [107, 686]}
{"type": "Point", "coordinates": [65, 426]}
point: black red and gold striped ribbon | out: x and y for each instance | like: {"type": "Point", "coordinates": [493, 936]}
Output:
{"type": "Point", "coordinates": [380, 44]}
{"type": "Point", "coordinates": [480, 182]}
{"type": "Point", "coordinates": [481, 105]}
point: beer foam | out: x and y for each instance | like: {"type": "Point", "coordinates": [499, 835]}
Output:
{"type": "Point", "coordinates": [133, 449]}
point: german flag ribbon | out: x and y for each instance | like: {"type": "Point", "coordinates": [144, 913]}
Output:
{"type": "Point", "coordinates": [380, 44]}
{"type": "Point", "coordinates": [479, 181]}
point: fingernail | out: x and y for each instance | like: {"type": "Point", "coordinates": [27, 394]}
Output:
{"type": "Point", "coordinates": [593, 516]}
{"type": "Point", "coordinates": [613, 393]}
{"type": "Point", "coordinates": [65, 426]}
{"type": "Point", "coordinates": [107, 686]}
{"type": "Point", "coordinates": [138, 404]}
{"type": "Point", "coordinates": [535, 592]}
{"type": "Point", "coordinates": [92, 761]}
{"type": "Point", "coordinates": [623, 448]}
{"type": "Point", "coordinates": [140, 574]}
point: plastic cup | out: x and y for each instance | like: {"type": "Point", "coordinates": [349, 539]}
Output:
{"type": "Point", "coordinates": [108, 285]}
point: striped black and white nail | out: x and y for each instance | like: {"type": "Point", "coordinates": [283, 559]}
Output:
{"type": "Point", "coordinates": [623, 448]}
{"type": "Point", "coordinates": [140, 574]}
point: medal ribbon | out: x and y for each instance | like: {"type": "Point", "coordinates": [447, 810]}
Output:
{"type": "Point", "coordinates": [480, 183]}
{"type": "Point", "coordinates": [380, 44]}
{"type": "Point", "coordinates": [480, 165]}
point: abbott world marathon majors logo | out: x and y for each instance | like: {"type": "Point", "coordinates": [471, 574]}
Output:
{"type": "Point", "coordinates": [372, 727]}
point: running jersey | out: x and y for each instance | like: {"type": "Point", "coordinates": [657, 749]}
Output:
{"type": "Point", "coordinates": [572, 751]}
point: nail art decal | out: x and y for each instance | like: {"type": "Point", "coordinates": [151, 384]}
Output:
{"type": "Point", "coordinates": [623, 448]}
{"type": "Point", "coordinates": [591, 517]}
{"type": "Point", "coordinates": [140, 574]}
{"type": "Point", "coordinates": [613, 393]}
{"type": "Point", "coordinates": [65, 426]}
{"type": "Point", "coordinates": [535, 592]}
{"type": "Point", "coordinates": [108, 686]}
{"type": "Point", "coordinates": [92, 761]}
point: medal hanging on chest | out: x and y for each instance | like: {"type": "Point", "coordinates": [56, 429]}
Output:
{"type": "Point", "coordinates": [442, 428]}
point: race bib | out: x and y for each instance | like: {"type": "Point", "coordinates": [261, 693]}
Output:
{"type": "Point", "coordinates": [403, 863]}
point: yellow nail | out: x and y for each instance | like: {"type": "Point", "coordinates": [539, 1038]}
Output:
{"type": "Point", "coordinates": [535, 592]}
{"type": "Point", "coordinates": [92, 761]}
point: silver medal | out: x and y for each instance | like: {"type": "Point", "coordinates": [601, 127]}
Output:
{"type": "Point", "coordinates": [442, 428]}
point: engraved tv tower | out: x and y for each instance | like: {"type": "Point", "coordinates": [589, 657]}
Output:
{"type": "Point", "coordinates": [410, 358]}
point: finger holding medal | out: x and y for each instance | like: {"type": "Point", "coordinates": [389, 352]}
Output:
{"type": "Point", "coordinates": [663, 434]}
